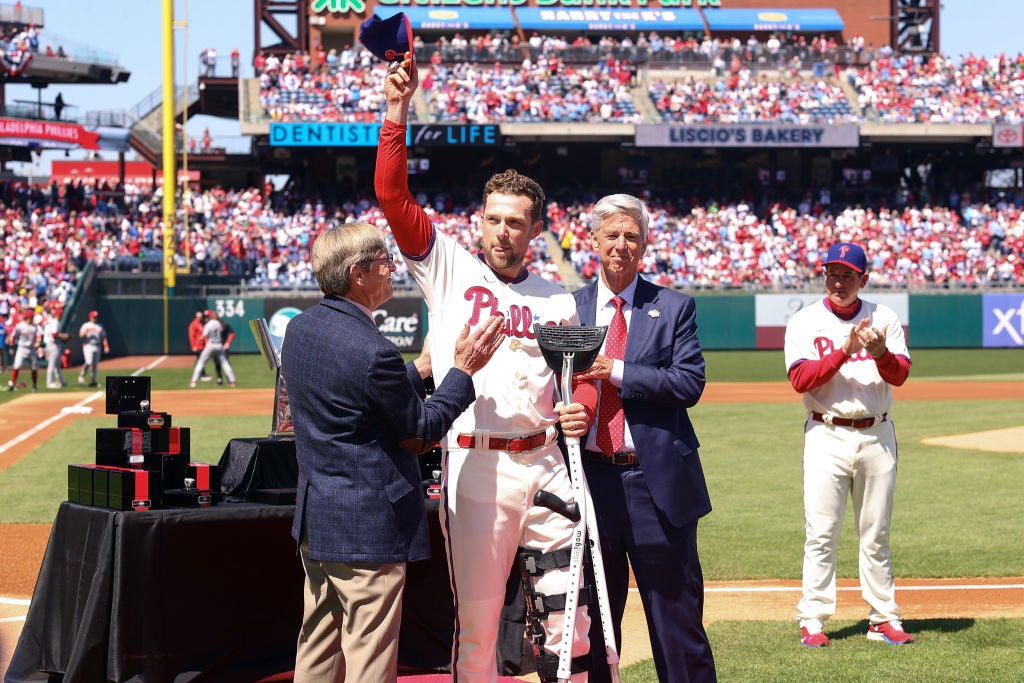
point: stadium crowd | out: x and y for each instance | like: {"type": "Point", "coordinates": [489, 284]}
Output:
{"type": "Point", "coordinates": [743, 97]}
{"type": "Point", "coordinates": [726, 246]}
{"type": "Point", "coordinates": [327, 87]}
{"type": "Point", "coordinates": [938, 89]}
{"type": "Point", "coordinates": [492, 78]}
{"type": "Point", "coordinates": [48, 234]}
{"type": "Point", "coordinates": [548, 89]}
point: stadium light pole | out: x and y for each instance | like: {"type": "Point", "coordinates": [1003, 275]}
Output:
{"type": "Point", "coordinates": [168, 157]}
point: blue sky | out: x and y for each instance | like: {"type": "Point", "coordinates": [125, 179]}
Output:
{"type": "Point", "coordinates": [131, 32]}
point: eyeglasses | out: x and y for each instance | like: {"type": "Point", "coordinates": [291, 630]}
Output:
{"type": "Point", "coordinates": [390, 258]}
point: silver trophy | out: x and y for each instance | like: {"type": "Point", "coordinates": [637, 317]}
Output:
{"type": "Point", "coordinates": [270, 347]}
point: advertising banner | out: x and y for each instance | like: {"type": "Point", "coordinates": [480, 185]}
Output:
{"type": "Point", "coordinates": [773, 311]}
{"type": "Point", "coordinates": [1008, 135]}
{"type": "Point", "coordinates": [1003, 320]}
{"type": "Point", "coordinates": [455, 135]}
{"type": "Point", "coordinates": [747, 135]}
{"type": "Point", "coordinates": [326, 134]}
{"type": "Point", "coordinates": [52, 134]}
{"type": "Point", "coordinates": [399, 319]}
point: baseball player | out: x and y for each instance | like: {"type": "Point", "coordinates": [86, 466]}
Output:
{"type": "Point", "coordinates": [196, 340]}
{"type": "Point", "coordinates": [503, 449]}
{"type": "Point", "coordinates": [25, 338]}
{"type": "Point", "coordinates": [213, 332]}
{"type": "Point", "coordinates": [53, 347]}
{"type": "Point", "coordinates": [844, 355]}
{"type": "Point", "coordinates": [93, 337]}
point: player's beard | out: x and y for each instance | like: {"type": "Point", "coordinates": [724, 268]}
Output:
{"type": "Point", "coordinates": [510, 258]}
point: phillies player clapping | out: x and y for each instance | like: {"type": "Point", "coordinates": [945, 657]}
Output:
{"type": "Point", "coordinates": [844, 355]}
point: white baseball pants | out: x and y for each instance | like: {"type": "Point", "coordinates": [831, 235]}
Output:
{"type": "Point", "coordinates": [487, 513]}
{"type": "Point", "coordinates": [843, 463]}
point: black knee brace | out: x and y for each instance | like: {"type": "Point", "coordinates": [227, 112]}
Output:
{"type": "Point", "coordinates": [533, 564]}
{"type": "Point", "coordinates": [547, 666]}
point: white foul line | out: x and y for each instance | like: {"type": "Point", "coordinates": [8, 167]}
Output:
{"type": "Point", "coordinates": [900, 587]}
{"type": "Point", "coordinates": [85, 401]}
{"type": "Point", "coordinates": [13, 601]}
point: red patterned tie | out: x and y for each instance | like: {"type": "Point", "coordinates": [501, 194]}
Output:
{"type": "Point", "coordinates": [611, 423]}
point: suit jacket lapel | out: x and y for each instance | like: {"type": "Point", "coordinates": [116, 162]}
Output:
{"type": "Point", "coordinates": [641, 323]}
{"type": "Point", "coordinates": [586, 305]}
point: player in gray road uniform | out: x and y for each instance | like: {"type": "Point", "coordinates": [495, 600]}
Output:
{"type": "Point", "coordinates": [53, 346]}
{"type": "Point", "coordinates": [93, 337]}
{"type": "Point", "coordinates": [213, 330]}
{"type": "Point", "coordinates": [25, 338]}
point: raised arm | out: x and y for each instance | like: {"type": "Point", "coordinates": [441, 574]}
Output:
{"type": "Point", "coordinates": [410, 225]}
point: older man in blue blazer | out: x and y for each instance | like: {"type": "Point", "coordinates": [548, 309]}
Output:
{"type": "Point", "coordinates": [640, 456]}
{"type": "Point", "coordinates": [360, 423]}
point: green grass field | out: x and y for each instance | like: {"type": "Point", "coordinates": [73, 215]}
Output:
{"type": "Point", "coordinates": [947, 651]}
{"type": "Point", "coordinates": [959, 513]}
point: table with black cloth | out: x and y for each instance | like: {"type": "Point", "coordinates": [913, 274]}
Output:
{"type": "Point", "coordinates": [207, 594]}
{"type": "Point", "coordinates": [164, 595]}
{"type": "Point", "coordinates": [249, 464]}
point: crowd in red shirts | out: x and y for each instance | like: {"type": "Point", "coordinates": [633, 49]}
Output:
{"type": "Point", "coordinates": [48, 234]}
{"type": "Point", "coordinates": [547, 89]}
{"type": "Point", "coordinates": [492, 79]}
{"type": "Point", "coordinates": [939, 89]}
{"type": "Point", "coordinates": [345, 86]}
{"type": "Point", "coordinates": [731, 246]}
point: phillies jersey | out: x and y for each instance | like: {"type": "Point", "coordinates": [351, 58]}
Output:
{"type": "Point", "coordinates": [460, 287]}
{"type": "Point", "coordinates": [857, 389]}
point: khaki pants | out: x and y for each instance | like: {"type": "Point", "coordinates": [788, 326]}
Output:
{"type": "Point", "coordinates": [351, 616]}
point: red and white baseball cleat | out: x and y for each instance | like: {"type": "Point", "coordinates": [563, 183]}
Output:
{"type": "Point", "coordinates": [890, 632]}
{"type": "Point", "coordinates": [812, 635]}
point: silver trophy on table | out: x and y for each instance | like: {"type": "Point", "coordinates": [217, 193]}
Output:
{"type": "Point", "coordinates": [282, 426]}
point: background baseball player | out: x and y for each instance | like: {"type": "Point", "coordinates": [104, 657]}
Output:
{"type": "Point", "coordinates": [213, 332]}
{"type": "Point", "coordinates": [26, 338]}
{"type": "Point", "coordinates": [844, 355]}
{"type": "Point", "coordinates": [94, 338]}
{"type": "Point", "coordinates": [53, 347]}
{"type": "Point", "coordinates": [502, 450]}
{"type": "Point", "coordinates": [196, 340]}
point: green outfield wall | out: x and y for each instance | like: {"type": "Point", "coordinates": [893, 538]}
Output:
{"type": "Point", "coordinates": [154, 325]}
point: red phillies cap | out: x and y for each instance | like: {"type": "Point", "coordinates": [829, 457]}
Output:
{"type": "Point", "coordinates": [93, 314]}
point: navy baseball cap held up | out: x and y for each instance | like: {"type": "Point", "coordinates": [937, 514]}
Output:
{"type": "Point", "coordinates": [387, 39]}
{"type": "Point", "coordinates": [849, 255]}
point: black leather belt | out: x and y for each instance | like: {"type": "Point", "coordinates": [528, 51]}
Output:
{"type": "Point", "coordinates": [613, 459]}
{"type": "Point", "coordinates": [856, 423]}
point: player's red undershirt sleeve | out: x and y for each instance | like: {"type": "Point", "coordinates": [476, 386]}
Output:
{"type": "Point", "coordinates": [810, 374]}
{"type": "Point", "coordinates": [410, 225]}
{"type": "Point", "coordinates": [893, 369]}
{"type": "Point", "coordinates": [585, 392]}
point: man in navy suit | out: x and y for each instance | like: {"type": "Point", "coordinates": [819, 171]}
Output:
{"type": "Point", "coordinates": [360, 422]}
{"type": "Point", "coordinates": [647, 483]}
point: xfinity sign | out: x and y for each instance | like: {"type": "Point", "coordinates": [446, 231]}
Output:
{"type": "Point", "coordinates": [1003, 320]}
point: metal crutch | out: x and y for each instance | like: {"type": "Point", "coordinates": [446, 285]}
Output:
{"type": "Point", "coordinates": [561, 345]}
